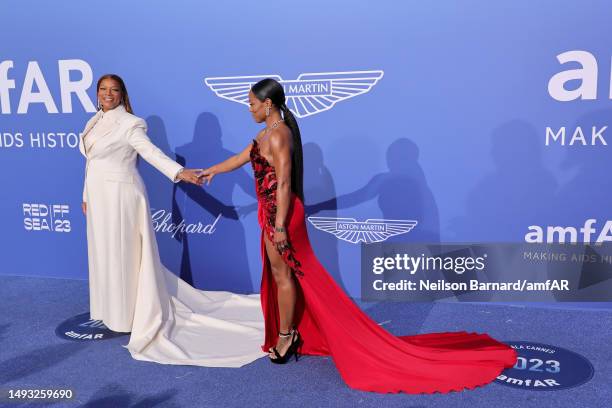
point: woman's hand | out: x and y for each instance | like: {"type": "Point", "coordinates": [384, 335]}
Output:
{"type": "Point", "coordinates": [280, 239]}
{"type": "Point", "coordinates": [207, 174]}
{"type": "Point", "coordinates": [192, 176]}
{"type": "Point", "coordinates": [84, 207]}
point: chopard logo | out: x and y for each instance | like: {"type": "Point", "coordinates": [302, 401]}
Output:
{"type": "Point", "coordinates": [368, 231]}
{"type": "Point", "coordinates": [162, 222]}
{"type": "Point", "coordinates": [308, 94]}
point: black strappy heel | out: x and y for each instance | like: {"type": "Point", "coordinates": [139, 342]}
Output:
{"type": "Point", "coordinates": [293, 349]}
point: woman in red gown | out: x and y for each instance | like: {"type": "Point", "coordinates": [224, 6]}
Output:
{"type": "Point", "coordinates": [306, 311]}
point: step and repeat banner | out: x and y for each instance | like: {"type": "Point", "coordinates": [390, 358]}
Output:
{"type": "Point", "coordinates": [469, 122]}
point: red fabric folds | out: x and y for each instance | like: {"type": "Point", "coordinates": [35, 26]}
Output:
{"type": "Point", "coordinates": [367, 356]}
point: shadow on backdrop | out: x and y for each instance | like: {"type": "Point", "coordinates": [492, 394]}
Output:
{"type": "Point", "coordinates": [402, 193]}
{"type": "Point", "coordinates": [519, 192]}
{"type": "Point", "coordinates": [586, 196]}
{"type": "Point", "coordinates": [216, 259]}
{"type": "Point", "coordinates": [160, 191]}
{"type": "Point", "coordinates": [319, 186]}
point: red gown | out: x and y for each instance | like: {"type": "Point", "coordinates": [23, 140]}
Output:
{"type": "Point", "coordinates": [367, 356]}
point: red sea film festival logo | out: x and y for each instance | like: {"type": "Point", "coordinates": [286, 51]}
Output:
{"type": "Point", "coordinates": [46, 217]}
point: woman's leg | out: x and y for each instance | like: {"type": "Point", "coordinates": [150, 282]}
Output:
{"type": "Point", "coordinates": [285, 283]}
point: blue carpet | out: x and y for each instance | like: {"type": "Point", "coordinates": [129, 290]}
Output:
{"type": "Point", "coordinates": [103, 374]}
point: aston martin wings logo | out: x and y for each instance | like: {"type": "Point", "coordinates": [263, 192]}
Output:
{"type": "Point", "coordinates": [307, 95]}
{"type": "Point", "coordinates": [368, 231]}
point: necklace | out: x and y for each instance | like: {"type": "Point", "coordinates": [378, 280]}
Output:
{"type": "Point", "coordinates": [273, 126]}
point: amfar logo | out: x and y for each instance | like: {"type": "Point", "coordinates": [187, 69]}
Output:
{"type": "Point", "coordinates": [368, 231]}
{"type": "Point", "coordinates": [587, 75]}
{"type": "Point", "coordinates": [578, 83]}
{"type": "Point", "coordinates": [82, 328]}
{"type": "Point", "coordinates": [46, 217]}
{"type": "Point", "coordinates": [307, 95]}
{"type": "Point", "coordinates": [94, 324]}
{"type": "Point", "coordinates": [556, 234]}
{"type": "Point", "coordinates": [34, 79]}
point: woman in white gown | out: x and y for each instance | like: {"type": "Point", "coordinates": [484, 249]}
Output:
{"type": "Point", "coordinates": [130, 290]}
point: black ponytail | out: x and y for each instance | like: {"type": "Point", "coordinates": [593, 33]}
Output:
{"type": "Point", "coordinates": [297, 159]}
{"type": "Point", "coordinates": [269, 88]}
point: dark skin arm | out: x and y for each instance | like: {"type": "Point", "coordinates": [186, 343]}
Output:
{"type": "Point", "coordinates": [280, 147]}
{"type": "Point", "coordinates": [237, 160]}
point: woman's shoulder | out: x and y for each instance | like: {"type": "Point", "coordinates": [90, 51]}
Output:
{"type": "Point", "coordinates": [280, 135]}
{"type": "Point", "coordinates": [132, 120]}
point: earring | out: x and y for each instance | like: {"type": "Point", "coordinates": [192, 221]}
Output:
{"type": "Point", "coordinates": [267, 111]}
{"type": "Point", "coordinates": [99, 106]}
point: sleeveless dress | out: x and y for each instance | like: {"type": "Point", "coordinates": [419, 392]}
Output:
{"type": "Point", "coordinates": [367, 356]}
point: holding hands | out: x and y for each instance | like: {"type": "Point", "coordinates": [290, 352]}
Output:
{"type": "Point", "coordinates": [207, 175]}
{"type": "Point", "coordinates": [192, 176]}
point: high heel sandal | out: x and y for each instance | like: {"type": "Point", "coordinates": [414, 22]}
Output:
{"type": "Point", "coordinates": [296, 341]}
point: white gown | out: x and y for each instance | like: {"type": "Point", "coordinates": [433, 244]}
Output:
{"type": "Point", "coordinates": [130, 290]}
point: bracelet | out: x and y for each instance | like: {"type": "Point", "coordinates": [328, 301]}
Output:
{"type": "Point", "coordinates": [279, 229]}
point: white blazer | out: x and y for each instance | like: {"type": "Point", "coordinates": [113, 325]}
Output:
{"type": "Point", "coordinates": [117, 145]}
{"type": "Point", "coordinates": [119, 228]}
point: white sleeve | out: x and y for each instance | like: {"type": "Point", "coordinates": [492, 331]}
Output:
{"type": "Point", "coordinates": [138, 139]}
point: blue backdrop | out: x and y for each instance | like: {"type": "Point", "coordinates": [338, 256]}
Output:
{"type": "Point", "coordinates": [486, 122]}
